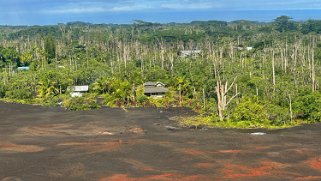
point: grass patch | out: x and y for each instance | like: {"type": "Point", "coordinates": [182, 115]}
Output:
{"type": "Point", "coordinates": [212, 122]}
{"type": "Point", "coordinates": [19, 101]}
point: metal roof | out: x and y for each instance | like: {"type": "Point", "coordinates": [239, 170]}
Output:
{"type": "Point", "coordinates": [150, 84]}
{"type": "Point", "coordinates": [191, 51]}
{"type": "Point", "coordinates": [23, 68]}
{"type": "Point", "coordinates": [151, 90]}
{"type": "Point", "coordinates": [83, 88]}
{"type": "Point", "coordinates": [154, 84]}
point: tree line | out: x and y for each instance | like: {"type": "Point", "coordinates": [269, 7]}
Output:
{"type": "Point", "coordinates": [276, 82]}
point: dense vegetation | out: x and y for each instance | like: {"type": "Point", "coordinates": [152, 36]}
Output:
{"type": "Point", "coordinates": [275, 83]}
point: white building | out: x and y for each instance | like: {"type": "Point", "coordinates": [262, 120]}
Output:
{"type": "Point", "coordinates": [188, 53]}
{"type": "Point", "coordinates": [249, 48]}
{"type": "Point", "coordinates": [78, 91]}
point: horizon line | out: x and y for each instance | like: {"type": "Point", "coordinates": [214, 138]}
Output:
{"type": "Point", "coordinates": [130, 22]}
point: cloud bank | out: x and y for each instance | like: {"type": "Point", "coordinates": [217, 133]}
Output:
{"type": "Point", "coordinates": [101, 6]}
{"type": "Point", "coordinates": [52, 11]}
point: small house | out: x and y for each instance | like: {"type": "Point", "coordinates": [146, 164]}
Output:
{"type": "Point", "coordinates": [188, 53]}
{"type": "Point", "coordinates": [78, 91]}
{"type": "Point", "coordinates": [23, 68]}
{"type": "Point", "coordinates": [239, 48]}
{"type": "Point", "coordinates": [249, 48]}
{"type": "Point", "coordinates": [155, 89]}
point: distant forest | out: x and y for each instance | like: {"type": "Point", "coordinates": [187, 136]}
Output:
{"type": "Point", "coordinates": [248, 74]}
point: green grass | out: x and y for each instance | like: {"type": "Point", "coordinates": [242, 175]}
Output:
{"type": "Point", "coordinates": [19, 101]}
{"type": "Point", "coordinates": [200, 121]}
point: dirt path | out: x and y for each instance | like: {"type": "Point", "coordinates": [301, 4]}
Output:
{"type": "Point", "coordinates": [39, 143]}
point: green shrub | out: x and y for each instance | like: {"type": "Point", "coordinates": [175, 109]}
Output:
{"type": "Point", "coordinates": [157, 102]}
{"type": "Point", "coordinates": [142, 99]}
{"type": "Point", "coordinates": [308, 106]}
{"type": "Point", "coordinates": [21, 93]}
{"type": "Point", "coordinates": [250, 113]}
{"type": "Point", "coordinates": [53, 101]}
{"type": "Point", "coordinates": [80, 103]}
{"type": "Point", "coordinates": [277, 115]}
{"type": "Point", "coordinates": [2, 91]}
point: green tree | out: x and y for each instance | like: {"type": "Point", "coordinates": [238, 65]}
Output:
{"type": "Point", "coordinates": [250, 112]}
{"type": "Point", "coordinates": [50, 48]}
{"type": "Point", "coordinates": [26, 58]}
{"type": "Point", "coordinates": [21, 86]}
{"type": "Point", "coordinates": [100, 86]}
{"type": "Point", "coordinates": [284, 23]}
{"type": "Point", "coordinates": [308, 106]}
{"type": "Point", "coordinates": [52, 83]}
{"type": "Point", "coordinates": [311, 26]}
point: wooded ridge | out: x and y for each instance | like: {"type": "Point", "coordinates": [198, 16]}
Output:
{"type": "Point", "coordinates": [244, 73]}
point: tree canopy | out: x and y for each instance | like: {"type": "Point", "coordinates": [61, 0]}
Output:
{"type": "Point", "coordinates": [245, 73]}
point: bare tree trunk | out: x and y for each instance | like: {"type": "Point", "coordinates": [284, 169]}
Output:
{"type": "Point", "coordinates": [180, 95]}
{"type": "Point", "coordinates": [286, 56]}
{"type": "Point", "coordinates": [290, 107]}
{"type": "Point", "coordinates": [172, 63]}
{"type": "Point", "coordinates": [204, 99]}
{"type": "Point", "coordinates": [221, 93]}
{"type": "Point", "coordinates": [273, 70]}
{"type": "Point", "coordinates": [313, 68]}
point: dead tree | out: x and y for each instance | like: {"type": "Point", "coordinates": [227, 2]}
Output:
{"type": "Point", "coordinates": [290, 108]}
{"type": "Point", "coordinates": [222, 90]}
{"type": "Point", "coordinates": [273, 70]}
{"type": "Point", "coordinates": [313, 77]}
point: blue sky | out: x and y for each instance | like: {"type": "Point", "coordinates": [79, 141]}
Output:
{"type": "Point", "coordinates": [29, 12]}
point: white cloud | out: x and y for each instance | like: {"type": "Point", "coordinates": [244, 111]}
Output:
{"type": "Point", "coordinates": [94, 8]}
{"type": "Point", "coordinates": [129, 5]}
{"type": "Point", "coordinates": [75, 10]}
{"type": "Point", "coordinates": [101, 6]}
{"type": "Point", "coordinates": [191, 5]}
{"type": "Point", "coordinates": [129, 8]}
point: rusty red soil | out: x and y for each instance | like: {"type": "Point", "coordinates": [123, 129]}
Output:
{"type": "Point", "coordinates": [39, 143]}
{"type": "Point", "coordinates": [229, 151]}
{"type": "Point", "coordinates": [160, 177]}
{"type": "Point", "coordinates": [315, 163]}
{"type": "Point", "coordinates": [95, 146]}
{"type": "Point", "coordinates": [204, 165]}
{"type": "Point", "coordinates": [138, 165]}
{"type": "Point", "coordinates": [207, 153]}
{"type": "Point", "coordinates": [235, 171]}
{"type": "Point", "coordinates": [309, 178]}
{"type": "Point", "coordinates": [193, 152]}
{"type": "Point", "coordinates": [12, 147]}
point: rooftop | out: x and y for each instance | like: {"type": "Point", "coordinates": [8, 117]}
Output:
{"type": "Point", "coordinates": [83, 88]}
{"type": "Point", "coordinates": [155, 84]}
{"type": "Point", "coordinates": [152, 90]}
